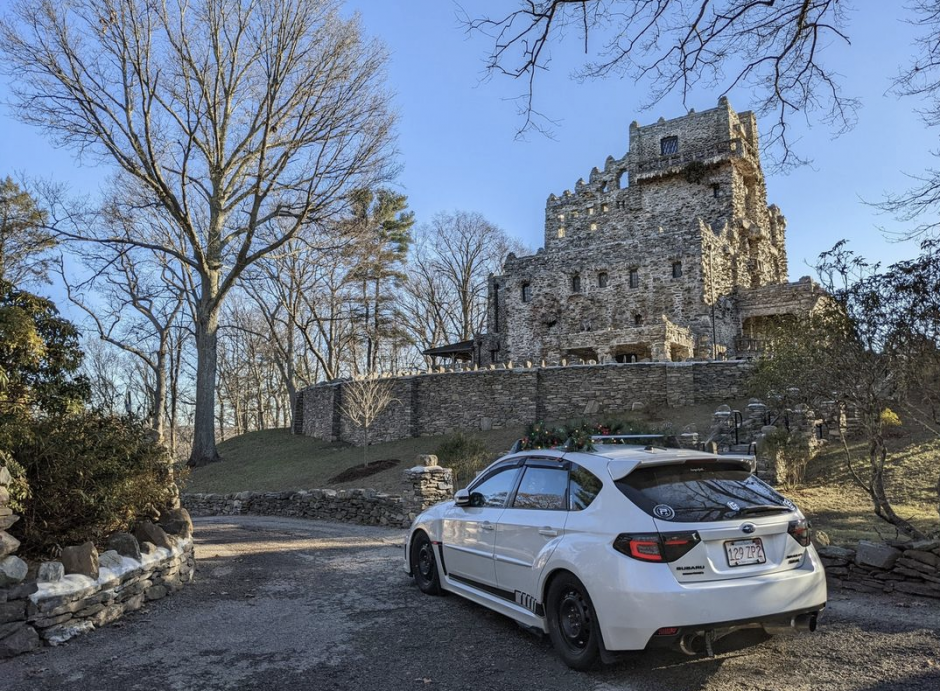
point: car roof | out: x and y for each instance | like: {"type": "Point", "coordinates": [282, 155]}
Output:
{"type": "Point", "coordinates": [619, 460]}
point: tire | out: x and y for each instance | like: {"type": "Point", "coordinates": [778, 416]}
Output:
{"type": "Point", "coordinates": [424, 565]}
{"type": "Point", "coordinates": [572, 622]}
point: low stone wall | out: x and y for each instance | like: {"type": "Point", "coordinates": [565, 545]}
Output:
{"type": "Point", "coordinates": [423, 486]}
{"type": "Point", "coordinates": [910, 567]}
{"type": "Point", "coordinates": [55, 611]}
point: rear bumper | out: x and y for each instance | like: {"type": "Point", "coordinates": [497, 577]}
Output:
{"type": "Point", "coordinates": [650, 599]}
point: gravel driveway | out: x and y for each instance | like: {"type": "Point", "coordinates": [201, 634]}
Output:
{"type": "Point", "coordinates": [294, 604]}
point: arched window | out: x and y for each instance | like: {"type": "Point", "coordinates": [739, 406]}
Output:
{"type": "Point", "coordinates": [634, 278]}
{"type": "Point", "coordinates": [526, 291]}
{"type": "Point", "coordinates": [638, 320]}
{"type": "Point", "coordinates": [677, 269]}
{"type": "Point", "coordinates": [576, 283]}
{"type": "Point", "coordinates": [602, 279]}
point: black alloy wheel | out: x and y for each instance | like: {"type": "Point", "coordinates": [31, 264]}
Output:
{"type": "Point", "coordinates": [572, 623]}
{"type": "Point", "coordinates": [424, 564]}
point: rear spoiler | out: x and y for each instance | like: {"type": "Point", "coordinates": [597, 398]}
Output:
{"type": "Point", "coordinates": [620, 469]}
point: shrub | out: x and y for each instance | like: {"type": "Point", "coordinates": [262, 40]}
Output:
{"type": "Point", "coordinates": [792, 453]}
{"type": "Point", "coordinates": [89, 474]}
{"type": "Point", "coordinates": [465, 455]}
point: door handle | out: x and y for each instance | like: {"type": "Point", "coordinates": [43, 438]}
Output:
{"type": "Point", "coordinates": [488, 526]}
{"type": "Point", "coordinates": [548, 532]}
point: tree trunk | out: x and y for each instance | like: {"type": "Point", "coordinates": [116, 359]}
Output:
{"type": "Point", "coordinates": [204, 450]}
{"type": "Point", "coordinates": [159, 403]}
{"type": "Point", "coordinates": [882, 505]}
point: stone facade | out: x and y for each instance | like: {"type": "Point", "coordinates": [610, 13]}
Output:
{"type": "Point", "coordinates": [670, 252]}
{"type": "Point", "coordinates": [482, 399]}
{"type": "Point", "coordinates": [423, 486]}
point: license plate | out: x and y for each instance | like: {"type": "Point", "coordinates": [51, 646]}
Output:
{"type": "Point", "coordinates": [745, 552]}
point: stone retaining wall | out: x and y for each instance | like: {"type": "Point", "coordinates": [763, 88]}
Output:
{"type": "Point", "coordinates": [55, 611]}
{"type": "Point", "coordinates": [423, 486]}
{"type": "Point", "coordinates": [441, 402]}
{"type": "Point", "coordinates": [910, 567]}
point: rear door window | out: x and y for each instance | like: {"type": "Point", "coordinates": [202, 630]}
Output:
{"type": "Point", "coordinates": [699, 491]}
{"type": "Point", "coordinates": [584, 486]}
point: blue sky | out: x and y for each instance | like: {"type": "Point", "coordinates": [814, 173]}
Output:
{"type": "Point", "coordinates": [458, 148]}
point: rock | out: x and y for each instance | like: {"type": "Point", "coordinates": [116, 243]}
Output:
{"type": "Point", "coordinates": [147, 548]}
{"type": "Point", "coordinates": [8, 544]}
{"type": "Point", "coordinates": [47, 622]}
{"type": "Point", "coordinates": [125, 544]}
{"type": "Point", "coordinates": [81, 559]}
{"type": "Point", "coordinates": [7, 521]}
{"type": "Point", "coordinates": [921, 589]}
{"type": "Point", "coordinates": [12, 611]}
{"type": "Point", "coordinates": [837, 553]}
{"type": "Point", "coordinates": [12, 571]}
{"type": "Point", "coordinates": [55, 635]}
{"type": "Point", "coordinates": [924, 545]}
{"type": "Point", "coordinates": [50, 572]}
{"type": "Point", "coordinates": [148, 532]}
{"type": "Point", "coordinates": [24, 640]}
{"type": "Point", "coordinates": [22, 591]}
{"type": "Point", "coordinates": [110, 559]}
{"type": "Point", "coordinates": [107, 615]}
{"type": "Point", "coordinates": [427, 460]}
{"type": "Point", "coordinates": [876, 554]}
{"type": "Point", "coordinates": [928, 558]}
{"type": "Point", "coordinates": [177, 522]}
{"type": "Point", "coordinates": [914, 565]}
{"type": "Point", "coordinates": [5, 478]}
{"type": "Point", "coordinates": [10, 628]}
{"type": "Point", "coordinates": [155, 592]}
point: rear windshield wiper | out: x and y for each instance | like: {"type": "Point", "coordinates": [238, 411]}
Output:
{"type": "Point", "coordinates": [764, 508]}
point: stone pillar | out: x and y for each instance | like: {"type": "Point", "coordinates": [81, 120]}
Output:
{"type": "Point", "coordinates": [426, 484]}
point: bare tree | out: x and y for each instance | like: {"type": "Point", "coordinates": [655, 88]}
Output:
{"type": "Point", "coordinates": [236, 125]}
{"type": "Point", "coordinates": [448, 271]}
{"type": "Point", "coordinates": [774, 47]}
{"type": "Point", "coordinates": [364, 400]}
{"type": "Point", "coordinates": [135, 305]}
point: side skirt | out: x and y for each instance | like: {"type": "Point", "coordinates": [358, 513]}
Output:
{"type": "Point", "coordinates": [498, 600]}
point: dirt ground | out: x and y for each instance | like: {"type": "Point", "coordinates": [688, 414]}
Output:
{"type": "Point", "coordinates": [294, 604]}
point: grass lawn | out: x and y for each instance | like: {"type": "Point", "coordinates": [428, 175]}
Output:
{"type": "Point", "coordinates": [275, 460]}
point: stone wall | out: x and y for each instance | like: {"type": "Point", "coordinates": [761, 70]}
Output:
{"type": "Point", "coordinates": [912, 568]}
{"type": "Point", "coordinates": [482, 399]}
{"type": "Point", "coordinates": [423, 486]}
{"type": "Point", "coordinates": [85, 590]}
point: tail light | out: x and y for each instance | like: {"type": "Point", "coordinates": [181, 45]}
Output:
{"type": "Point", "coordinates": [657, 547]}
{"type": "Point", "coordinates": [800, 531]}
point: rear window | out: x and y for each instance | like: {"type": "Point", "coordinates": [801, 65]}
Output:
{"type": "Point", "coordinates": [699, 491]}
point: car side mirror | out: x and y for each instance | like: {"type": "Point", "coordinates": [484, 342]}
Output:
{"type": "Point", "coordinates": [462, 497]}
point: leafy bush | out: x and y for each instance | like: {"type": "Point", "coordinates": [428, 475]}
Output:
{"type": "Point", "coordinates": [792, 453]}
{"type": "Point", "coordinates": [465, 455]}
{"type": "Point", "coordinates": [89, 474]}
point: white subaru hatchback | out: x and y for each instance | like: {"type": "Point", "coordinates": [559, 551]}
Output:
{"type": "Point", "coordinates": [623, 548]}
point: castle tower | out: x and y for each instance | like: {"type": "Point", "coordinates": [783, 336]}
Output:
{"type": "Point", "coordinates": [650, 256]}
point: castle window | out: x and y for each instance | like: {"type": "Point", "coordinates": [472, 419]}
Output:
{"type": "Point", "coordinates": [716, 190]}
{"type": "Point", "coordinates": [576, 283]}
{"type": "Point", "coordinates": [637, 319]}
{"type": "Point", "coordinates": [561, 217]}
{"type": "Point", "coordinates": [561, 232]}
{"type": "Point", "coordinates": [605, 208]}
{"type": "Point", "coordinates": [602, 279]}
{"type": "Point", "coordinates": [593, 226]}
{"type": "Point", "coordinates": [677, 269]}
{"type": "Point", "coordinates": [575, 213]}
{"type": "Point", "coordinates": [669, 146]}
{"type": "Point", "coordinates": [526, 292]}
{"type": "Point", "coordinates": [590, 211]}
{"type": "Point", "coordinates": [634, 278]}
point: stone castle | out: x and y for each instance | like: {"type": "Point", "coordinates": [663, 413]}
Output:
{"type": "Point", "coordinates": [669, 253]}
